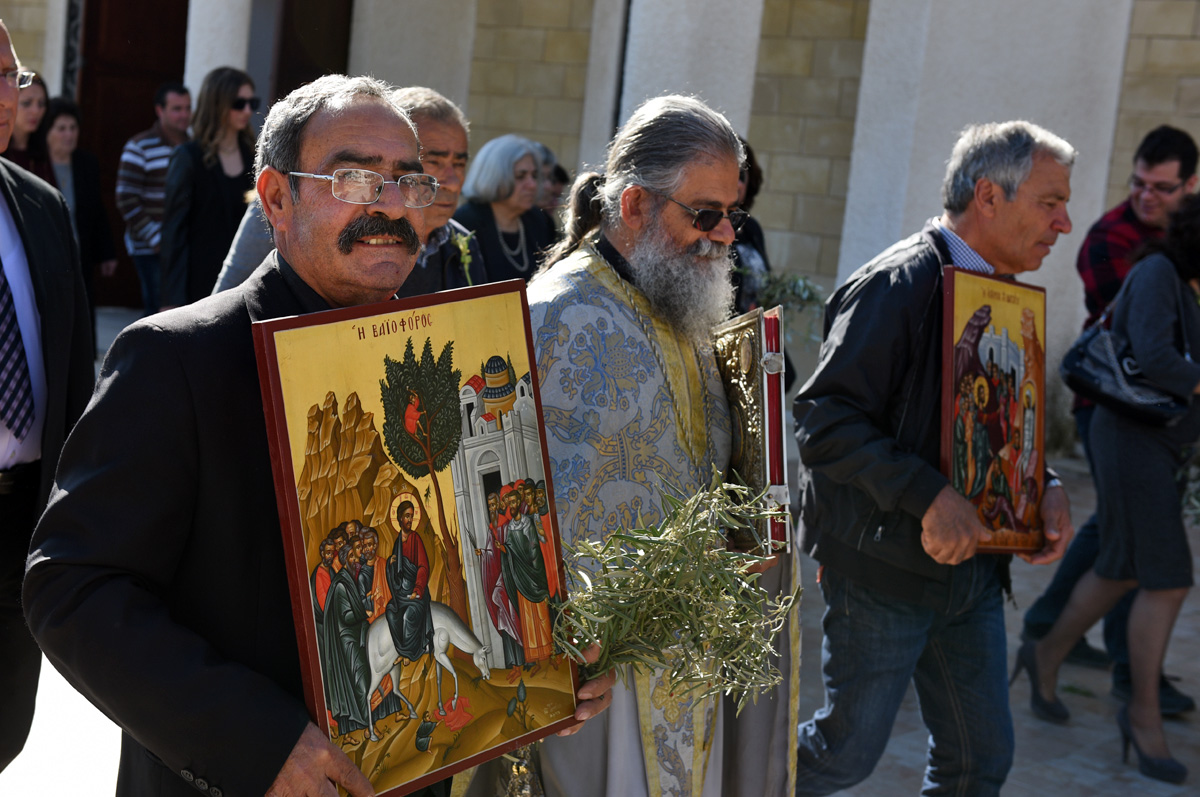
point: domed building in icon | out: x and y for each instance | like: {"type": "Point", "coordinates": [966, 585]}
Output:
{"type": "Point", "coordinates": [500, 443]}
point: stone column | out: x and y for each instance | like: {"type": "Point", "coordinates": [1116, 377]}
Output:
{"type": "Point", "coordinates": [606, 57]}
{"type": "Point", "coordinates": [415, 43]}
{"type": "Point", "coordinates": [218, 34]}
{"type": "Point", "coordinates": [708, 48]}
{"type": "Point", "coordinates": [56, 44]}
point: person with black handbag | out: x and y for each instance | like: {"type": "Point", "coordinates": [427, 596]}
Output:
{"type": "Point", "coordinates": [1137, 467]}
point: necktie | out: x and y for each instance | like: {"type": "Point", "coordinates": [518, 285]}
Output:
{"type": "Point", "coordinates": [16, 390]}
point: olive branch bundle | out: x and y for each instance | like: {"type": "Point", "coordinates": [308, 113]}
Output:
{"type": "Point", "coordinates": [673, 597]}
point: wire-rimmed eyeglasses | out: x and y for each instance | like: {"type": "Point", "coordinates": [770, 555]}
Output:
{"type": "Point", "coordinates": [706, 219]}
{"type": "Point", "coordinates": [1137, 185]}
{"type": "Point", "coordinates": [18, 78]}
{"type": "Point", "coordinates": [364, 187]}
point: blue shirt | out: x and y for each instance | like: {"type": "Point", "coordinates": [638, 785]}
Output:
{"type": "Point", "coordinates": [961, 254]}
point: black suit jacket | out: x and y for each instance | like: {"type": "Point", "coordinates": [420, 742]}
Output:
{"type": "Point", "coordinates": [156, 583]}
{"type": "Point", "coordinates": [68, 351]}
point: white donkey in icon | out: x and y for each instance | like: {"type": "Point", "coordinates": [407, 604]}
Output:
{"type": "Point", "coordinates": [383, 658]}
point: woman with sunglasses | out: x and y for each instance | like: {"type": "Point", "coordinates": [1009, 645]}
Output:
{"type": "Point", "coordinates": [207, 184]}
{"type": "Point", "coordinates": [501, 190]}
{"type": "Point", "coordinates": [26, 148]}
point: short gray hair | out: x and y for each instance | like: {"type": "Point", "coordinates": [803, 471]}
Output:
{"type": "Point", "coordinates": [421, 102]}
{"type": "Point", "coordinates": [1003, 152]}
{"type": "Point", "coordinates": [282, 132]}
{"type": "Point", "coordinates": [490, 178]}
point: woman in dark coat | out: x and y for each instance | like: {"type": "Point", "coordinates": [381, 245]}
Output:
{"type": "Point", "coordinates": [750, 262]}
{"type": "Point", "coordinates": [208, 180]}
{"type": "Point", "coordinates": [1140, 473]}
{"type": "Point", "coordinates": [77, 175]}
{"type": "Point", "coordinates": [501, 189]}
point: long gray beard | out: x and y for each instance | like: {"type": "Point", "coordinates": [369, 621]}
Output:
{"type": "Point", "coordinates": [690, 289]}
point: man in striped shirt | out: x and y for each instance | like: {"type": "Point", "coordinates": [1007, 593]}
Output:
{"type": "Point", "coordinates": [141, 180]}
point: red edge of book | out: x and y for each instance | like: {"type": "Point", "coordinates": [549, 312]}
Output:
{"type": "Point", "coordinates": [947, 398]}
{"type": "Point", "coordinates": [776, 461]}
{"type": "Point", "coordinates": [281, 466]}
{"type": "Point", "coordinates": [299, 588]}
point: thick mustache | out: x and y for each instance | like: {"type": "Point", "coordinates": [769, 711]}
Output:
{"type": "Point", "coordinates": [708, 249]}
{"type": "Point", "coordinates": [379, 227]}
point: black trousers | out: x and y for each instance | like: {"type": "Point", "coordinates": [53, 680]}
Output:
{"type": "Point", "coordinates": [20, 659]}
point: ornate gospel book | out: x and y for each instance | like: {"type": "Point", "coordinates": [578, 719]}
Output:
{"type": "Point", "coordinates": [749, 352]}
{"type": "Point", "coordinates": [994, 403]}
{"type": "Point", "coordinates": [419, 529]}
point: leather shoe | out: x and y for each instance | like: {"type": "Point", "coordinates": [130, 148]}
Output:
{"type": "Point", "coordinates": [1170, 700]}
{"type": "Point", "coordinates": [1167, 769]}
{"type": "Point", "coordinates": [1049, 710]}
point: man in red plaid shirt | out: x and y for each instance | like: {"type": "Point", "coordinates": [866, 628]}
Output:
{"type": "Point", "coordinates": [1164, 172]}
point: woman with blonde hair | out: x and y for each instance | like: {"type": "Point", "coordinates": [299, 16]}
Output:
{"type": "Point", "coordinates": [207, 182]}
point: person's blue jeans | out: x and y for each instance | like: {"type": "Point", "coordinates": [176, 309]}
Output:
{"type": "Point", "coordinates": [1079, 559]}
{"type": "Point", "coordinates": [149, 273]}
{"type": "Point", "coordinates": [874, 646]}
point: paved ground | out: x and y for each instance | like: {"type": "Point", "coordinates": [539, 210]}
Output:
{"type": "Point", "coordinates": [72, 750]}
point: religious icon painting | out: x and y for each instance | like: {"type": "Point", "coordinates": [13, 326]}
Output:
{"type": "Point", "coordinates": [749, 354]}
{"type": "Point", "coordinates": [994, 404]}
{"type": "Point", "coordinates": [419, 529]}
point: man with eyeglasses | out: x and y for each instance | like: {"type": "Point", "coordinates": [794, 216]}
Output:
{"type": "Point", "coordinates": [46, 376]}
{"type": "Point", "coordinates": [1164, 172]}
{"type": "Point", "coordinates": [141, 185]}
{"type": "Point", "coordinates": [451, 257]}
{"type": "Point", "coordinates": [131, 589]}
{"type": "Point", "coordinates": [908, 599]}
{"type": "Point", "coordinates": [633, 406]}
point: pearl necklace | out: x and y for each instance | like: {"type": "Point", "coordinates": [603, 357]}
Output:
{"type": "Point", "coordinates": [510, 254]}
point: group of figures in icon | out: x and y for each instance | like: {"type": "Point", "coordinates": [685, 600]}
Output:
{"type": "Point", "coordinates": [995, 459]}
{"type": "Point", "coordinates": [373, 614]}
{"type": "Point", "coordinates": [518, 567]}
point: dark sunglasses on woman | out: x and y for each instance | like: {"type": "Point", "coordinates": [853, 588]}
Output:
{"type": "Point", "coordinates": [240, 103]}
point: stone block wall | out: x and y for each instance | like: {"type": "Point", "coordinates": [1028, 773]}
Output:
{"type": "Point", "coordinates": [802, 127]}
{"type": "Point", "coordinates": [528, 72]}
{"type": "Point", "coordinates": [1161, 83]}
{"type": "Point", "coordinates": [26, 23]}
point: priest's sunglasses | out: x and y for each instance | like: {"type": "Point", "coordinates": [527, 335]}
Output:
{"type": "Point", "coordinates": [364, 187]}
{"type": "Point", "coordinates": [706, 219]}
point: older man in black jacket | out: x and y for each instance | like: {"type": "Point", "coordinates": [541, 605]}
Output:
{"type": "Point", "coordinates": [907, 597]}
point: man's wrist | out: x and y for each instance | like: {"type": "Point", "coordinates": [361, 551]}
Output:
{"type": "Point", "coordinates": [1053, 481]}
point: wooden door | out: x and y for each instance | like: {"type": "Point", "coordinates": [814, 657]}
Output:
{"type": "Point", "coordinates": [314, 40]}
{"type": "Point", "coordinates": [128, 48]}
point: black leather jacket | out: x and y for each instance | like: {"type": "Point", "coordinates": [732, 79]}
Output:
{"type": "Point", "coordinates": [868, 425]}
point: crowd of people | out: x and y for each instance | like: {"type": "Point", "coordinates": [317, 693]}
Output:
{"type": "Point", "coordinates": [193, 223]}
{"type": "Point", "coordinates": [155, 574]}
